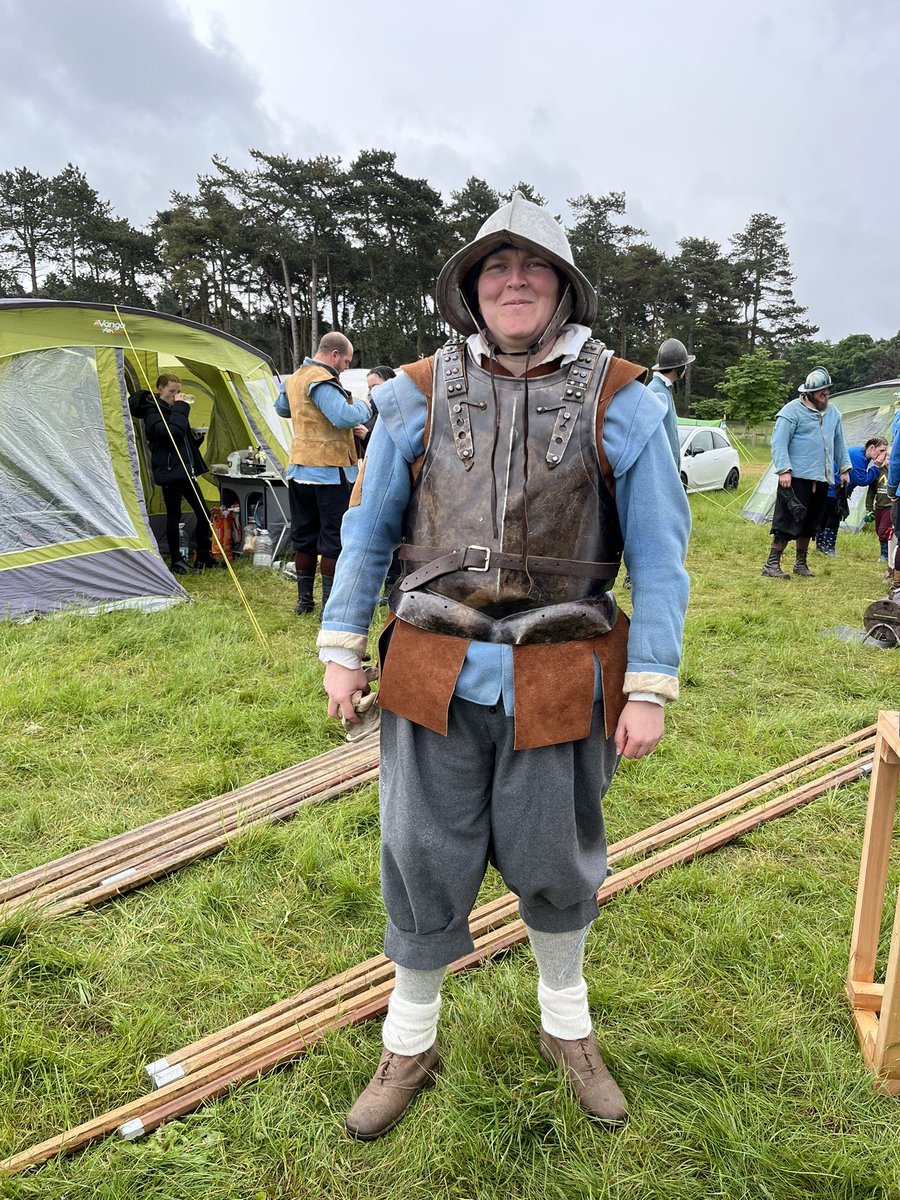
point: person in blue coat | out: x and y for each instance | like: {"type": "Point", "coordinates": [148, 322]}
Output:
{"type": "Point", "coordinates": [672, 362]}
{"type": "Point", "coordinates": [807, 441]}
{"type": "Point", "coordinates": [866, 463]}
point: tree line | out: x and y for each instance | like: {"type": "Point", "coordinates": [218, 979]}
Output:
{"type": "Point", "coordinates": [286, 249]}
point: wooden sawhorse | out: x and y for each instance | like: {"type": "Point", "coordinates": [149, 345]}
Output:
{"type": "Point", "coordinates": [876, 1006]}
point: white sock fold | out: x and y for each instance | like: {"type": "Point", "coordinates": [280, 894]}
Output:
{"type": "Point", "coordinates": [564, 1013]}
{"type": "Point", "coordinates": [410, 1028]}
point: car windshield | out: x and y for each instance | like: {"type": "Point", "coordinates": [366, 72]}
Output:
{"type": "Point", "coordinates": [684, 432]}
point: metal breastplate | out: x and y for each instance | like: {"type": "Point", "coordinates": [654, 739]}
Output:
{"type": "Point", "coordinates": [498, 480]}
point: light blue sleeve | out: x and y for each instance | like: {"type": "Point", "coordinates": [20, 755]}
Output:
{"type": "Point", "coordinates": [656, 522]}
{"type": "Point", "coordinates": [840, 447]}
{"type": "Point", "coordinates": [781, 436]}
{"type": "Point", "coordinates": [372, 530]}
{"type": "Point", "coordinates": [894, 462]}
{"type": "Point", "coordinates": [332, 403]}
{"type": "Point", "coordinates": [282, 404]}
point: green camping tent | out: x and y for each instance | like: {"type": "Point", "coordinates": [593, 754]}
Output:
{"type": "Point", "coordinates": [75, 495]}
{"type": "Point", "coordinates": [865, 412]}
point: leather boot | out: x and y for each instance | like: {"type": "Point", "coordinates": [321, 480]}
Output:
{"type": "Point", "coordinates": [800, 567]}
{"type": "Point", "coordinates": [327, 584]}
{"type": "Point", "coordinates": [391, 1090]}
{"type": "Point", "coordinates": [305, 602]}
{"type": "Point", "coordinates": [772, 567]}
{"type": "Point", "coordinates": [589, 1078]}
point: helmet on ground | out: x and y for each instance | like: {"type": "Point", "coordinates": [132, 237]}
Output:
{"type": "Point", "coordinates": [530, 227]}
{"type": "Point", "coordinates": [673, 354]}
{"type": "Point", "coordinates": [816, 381]}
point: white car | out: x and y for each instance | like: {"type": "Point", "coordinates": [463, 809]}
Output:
{"type": "Point", "coordinates": [708, 459]}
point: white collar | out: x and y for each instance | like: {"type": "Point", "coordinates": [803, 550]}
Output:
{"type": "Point", "coordinates": [668, 382]}
{"type": "Point", "coordinates": [568, 345]}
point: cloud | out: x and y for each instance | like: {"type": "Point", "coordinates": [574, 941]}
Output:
{"type": "Point", "coordinates": [127, 92]}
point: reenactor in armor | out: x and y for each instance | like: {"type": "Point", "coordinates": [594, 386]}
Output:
{"type": "Point", "coordinates": [515, 470]}
{"type": "Point", "coordinates": [672, 362]}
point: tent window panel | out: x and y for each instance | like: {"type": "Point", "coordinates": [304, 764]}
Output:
{"type": "Point", "coordinates": [263, 393]}
{"type": "Point", "coordinates": [56, 479]}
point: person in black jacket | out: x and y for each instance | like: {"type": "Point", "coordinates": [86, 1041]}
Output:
{"type": "Point", "coordinates": [167, 424]}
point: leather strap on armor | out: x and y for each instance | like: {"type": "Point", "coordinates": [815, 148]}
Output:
{"type": "Point", "coordinates": [481, 558]}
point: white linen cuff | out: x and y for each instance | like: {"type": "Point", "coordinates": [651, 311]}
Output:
{"type": "Point", "coordinates": [651, 681]}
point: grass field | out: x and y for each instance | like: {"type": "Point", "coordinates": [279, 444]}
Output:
{"type": "Point", "coordinates": [717, 988]}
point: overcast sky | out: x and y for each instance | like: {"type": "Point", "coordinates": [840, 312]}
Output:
{"type": "Point", "coordinates": [702, 112]}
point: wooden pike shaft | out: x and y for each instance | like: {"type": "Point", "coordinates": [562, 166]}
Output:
{"type": "Point", "coordinates": [808, 762]}
{"type": "Point", "coordinates": [213, 832]}
{"type": "Point", "coordinates": [496, 913]}
{"type": "Point", "coordinates": [282, 783]}
{"type": "Point", "coordinates": [167, 863]}
{"type": "Point", "coordinates": [184, 1095]}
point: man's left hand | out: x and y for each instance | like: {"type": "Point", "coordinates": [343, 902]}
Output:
{"type": "Point", "coordinates": [640, 727]}
{"type": "Point", "coordinates": [845, 477]}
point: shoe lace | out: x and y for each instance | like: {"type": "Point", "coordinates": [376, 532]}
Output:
{"type": "Point", "coordinates": [386, 1066]}
{"type": "Point", "coordinates": [589, 1056]}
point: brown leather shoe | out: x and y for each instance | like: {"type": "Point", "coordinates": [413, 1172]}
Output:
{"type": "Point", "coordinates": [391, 1090]}
{"type": "Point", "coordinates": [595, 1089]}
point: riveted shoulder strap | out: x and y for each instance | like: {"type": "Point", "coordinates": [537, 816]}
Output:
{"type": "Point", "coordinates": [619, 374]}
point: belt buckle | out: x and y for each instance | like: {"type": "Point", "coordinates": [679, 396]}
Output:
{"type": "Point", "coordinates": [487, 559]}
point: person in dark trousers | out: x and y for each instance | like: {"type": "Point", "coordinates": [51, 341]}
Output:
{"type": "Point", "coordinates": [807, 442]}
{"type": "Point", "coordinates": [175, 463]}
{"type": "Point", "coordinates": [323, 465]}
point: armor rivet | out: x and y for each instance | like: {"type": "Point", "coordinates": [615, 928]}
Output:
{"type": "Point", "coordinates": [568, 391]}
{"type": "Point", "coordinates": [540, 408]}
{"type": "Point", "coordinates": [567, 415]}
{"type": "Point", "coordinates": [466, 453]}
{"type": "Point", "coordinates": [554, 458]}
{"type": "Point", "coordinates": [558, 441]}
{"type": "Point", "coordinates": [457, 408]}
{"type": "Point", "coordinates": [578, 395]}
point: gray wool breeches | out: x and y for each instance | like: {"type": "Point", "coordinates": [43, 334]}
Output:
{"type": "Point", "coordinates": [450, 805]}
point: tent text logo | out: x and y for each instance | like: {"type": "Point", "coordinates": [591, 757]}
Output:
{"type": "Point", "coordinates": [110, 326]}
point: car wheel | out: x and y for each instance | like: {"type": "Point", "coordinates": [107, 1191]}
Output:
{"type": "Point", "coordinates": [732, 480]}
{"type": "Point", "coordinates": [684, 482]}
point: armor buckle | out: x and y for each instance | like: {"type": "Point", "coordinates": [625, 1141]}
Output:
{"type": "Point", "coordinates": [487, 559]}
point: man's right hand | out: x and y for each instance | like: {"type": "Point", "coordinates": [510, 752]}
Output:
{"type": "Point", "coordinates": [784, 479]}
{"type": "Point", "coordinates": [340, 683]}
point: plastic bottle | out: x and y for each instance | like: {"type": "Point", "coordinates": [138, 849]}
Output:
{"type": "Point", "coordinates": [184, 548]}
{"type": "Point", "coordinates": [249, 538]}
{"type": "Point", "coordinates": [262, 553]}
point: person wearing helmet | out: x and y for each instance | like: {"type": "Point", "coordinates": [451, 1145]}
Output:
{"type": "Point", "coordinates": [807, 442]}
{"type": "Point", "coordinates": [673, 362]}
{"type": "Point", "coordinates": [515, 469]}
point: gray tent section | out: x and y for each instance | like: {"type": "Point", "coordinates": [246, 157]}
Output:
{"type": "Point", "coordinates": [865, 412]}
{"type": "Point", "coordinates": [74, 532]}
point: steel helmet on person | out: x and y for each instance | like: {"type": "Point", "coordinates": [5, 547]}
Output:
{"type": "Point", "coordinates": [672, 355]}
{"type": "Point", "coordinates": [818, 380]}
{"type": "Point", "coordinates": [520, 225]}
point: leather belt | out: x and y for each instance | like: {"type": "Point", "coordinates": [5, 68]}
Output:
{"type": "Point", "coordinates": [482, 559]}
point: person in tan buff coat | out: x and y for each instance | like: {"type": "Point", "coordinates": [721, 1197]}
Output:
{"type": "Point", "coordinates": [322, 470]}
{"type": "Point", "coordinates": [515, 470]}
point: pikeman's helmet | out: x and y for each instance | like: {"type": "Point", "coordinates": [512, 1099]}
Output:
{"type": "Point", "coordinates": [673, 354]}
{"type": "Point", "coordinates": [816, 381]}
{"type": "Point", "coordinates": [519, 223]}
